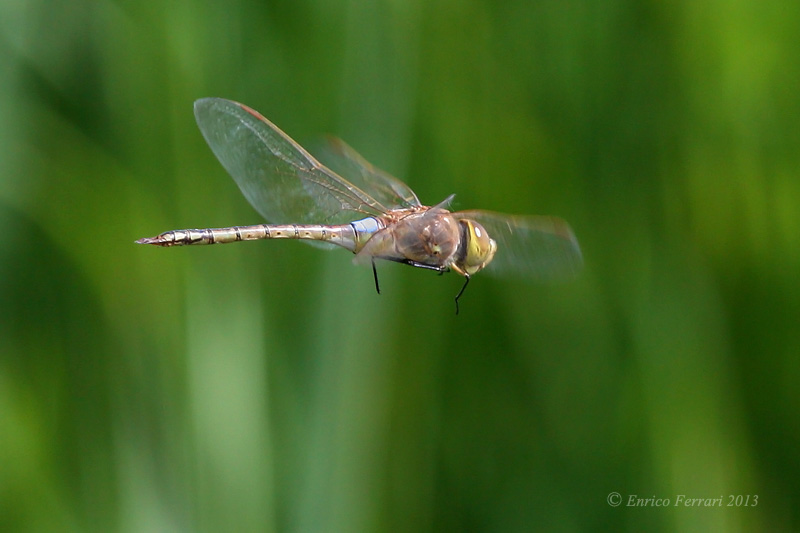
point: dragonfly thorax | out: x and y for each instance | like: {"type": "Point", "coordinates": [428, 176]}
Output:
{"type": "Point", "coordinates": [430, 238]}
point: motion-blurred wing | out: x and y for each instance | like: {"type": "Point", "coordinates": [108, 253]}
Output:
{"type": "Point", "coordinates": [533, 246]}
{"type": "Point", "coordinates": [379, 184]}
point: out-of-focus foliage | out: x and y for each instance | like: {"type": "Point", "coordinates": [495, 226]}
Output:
{"type": "Point", "coordinates": [266, 387]}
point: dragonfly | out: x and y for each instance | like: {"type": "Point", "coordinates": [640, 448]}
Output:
{"type": "Point", "coordinates": [372, 214]}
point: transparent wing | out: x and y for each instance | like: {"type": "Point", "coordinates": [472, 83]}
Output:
{"type": "Point", "coordinates": [382, 186]}
{"type": "Point", "coordinates": [531, 246]}
{"type": "Point", "coordinates": [282, 181]}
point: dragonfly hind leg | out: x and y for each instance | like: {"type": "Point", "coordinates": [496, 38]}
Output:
{"type": "Point", "coordinates": [440, 270]}
{"type": "Point", "coordinates": [375, 275]}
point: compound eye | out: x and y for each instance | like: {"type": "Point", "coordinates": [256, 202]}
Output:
{"type": "Point", "coordinates": [480, 247]}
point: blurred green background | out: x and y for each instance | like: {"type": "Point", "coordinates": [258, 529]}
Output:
{"type": "Point", "coordinates": [266, 387]}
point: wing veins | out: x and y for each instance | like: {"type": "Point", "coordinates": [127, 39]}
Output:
{"type": "Point", "coordinates": [350, 191]}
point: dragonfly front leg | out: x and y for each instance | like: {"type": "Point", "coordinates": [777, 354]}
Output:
{"type": "Point", "coordinates": [441, 270]}
{"type": "Point", "coordinates": [409, 262]}
{"type": "Point", "coordinates": [466, 282]}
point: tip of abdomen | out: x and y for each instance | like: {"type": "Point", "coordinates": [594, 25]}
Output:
{"type": "Point", "coordinates": [158, 240]}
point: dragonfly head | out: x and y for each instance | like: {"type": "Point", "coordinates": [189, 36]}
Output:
{"type": "Point", "coordinates": [479, 247]}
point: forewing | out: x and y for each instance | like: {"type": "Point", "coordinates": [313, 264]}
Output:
{"type": "Point", "coordinates": [282, 181]}
{"type": "Point", "coordinates": [530, 246]}
{"type": "Point", "coordinates": [389, 191]}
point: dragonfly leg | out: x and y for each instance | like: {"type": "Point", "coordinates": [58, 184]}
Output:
{"type": "Point", "coordinates": [466, 282]}
{"type": "Point", "coordinates": [409, 262]}
{"type": "Point", "coordinates": [375, 275]}
{"type": "Point", "coordinates": [440, 270]}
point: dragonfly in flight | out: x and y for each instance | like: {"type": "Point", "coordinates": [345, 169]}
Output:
{"type": "Point", "coordinates": [372, 214]}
